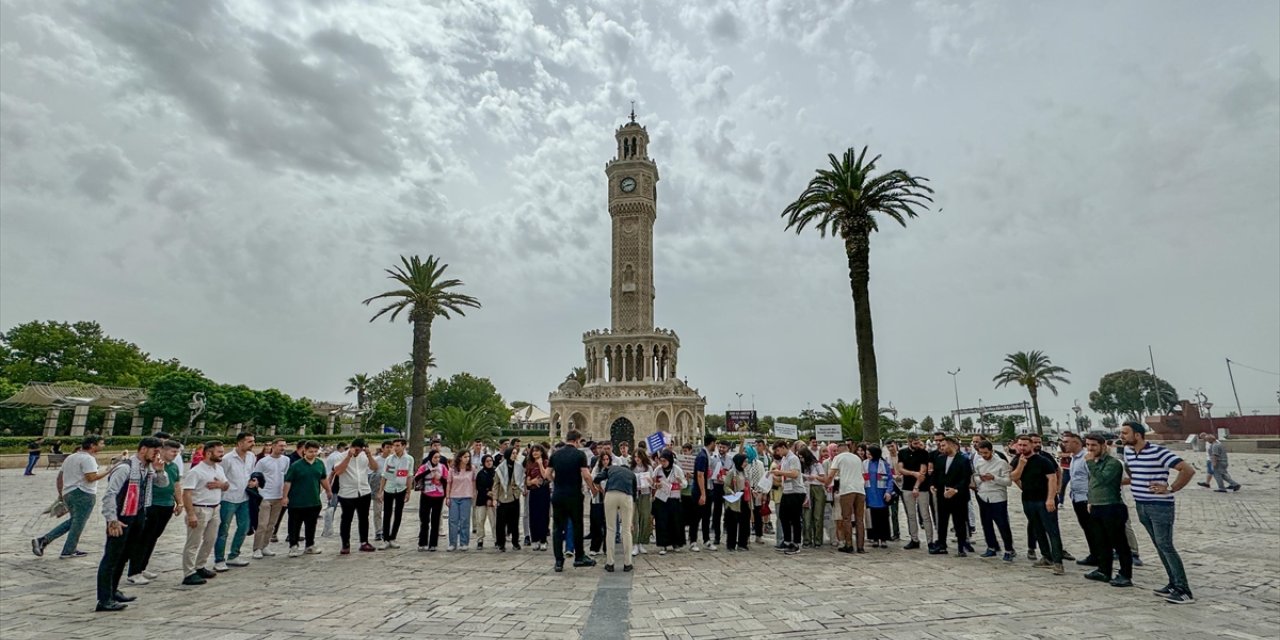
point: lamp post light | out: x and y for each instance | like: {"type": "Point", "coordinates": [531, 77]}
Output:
{"type": "Point", "coordinates": [739, 400]}
{"type": "Point", "coordinates": [955, 387]}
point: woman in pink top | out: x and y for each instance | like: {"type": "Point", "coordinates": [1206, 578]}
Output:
{"type": "Point", "coordinates": [462, 494]}
{"type": "Point", "coordinates": [430, 480]}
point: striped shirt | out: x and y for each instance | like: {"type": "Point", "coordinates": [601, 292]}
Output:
{"type": "Point", "coordinates": [1151, 464]}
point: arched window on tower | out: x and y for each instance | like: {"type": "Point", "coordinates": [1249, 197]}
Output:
{"type": "Point", "coordinates": [634, 147]}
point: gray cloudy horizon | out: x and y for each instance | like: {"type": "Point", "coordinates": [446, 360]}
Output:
{"type": "Point", "coordinates": [224, 181]}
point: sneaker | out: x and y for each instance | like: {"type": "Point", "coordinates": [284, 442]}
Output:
{"type": "Point", "coordinates": [711, 547]}
{"type": "Point", "coordinates": [451, 548]}
{"type": "Point", "coordinates": [37, 546]}
{"type": "Point", "coordinates": [312, 551]}
{"type": "Point", "coordinates": [1058, 570]}
{"type": "Point", "coordinates": [1121, 581]}
{"type": "Point", "coordinates": [120, 597]}
{"type": "Point", "coordinates": [527, 541]}
{"type": "Point", "coordinates": [433, 549]}
{"type": "Point", "coordinates": [914, 544]}
{"type": "Point", "coordinates": [74, 554]}
{"type": "Point", "coordinates": [635, 552]}
{"type": "Point", "coordinates": [1180, 597]}
{"type": "Point", "coordinates": [989, 553]}
{"type": "Point", "coordinates": [1087, 561]}
{"type": "Point", "coordinates": [662, 551]}
{"type": "Point", "coordinates": [1219, 490]}
{"type": "Point", "coordinates": [961, 553]}
{"type": "Point", "coordinates": [268, 553]}
{"type": "Point", "coordinates": [110, 606]}
{"type": "Point", "coordinates": [150, 575]}
{"type": "Point", "coordinates": [294, 551]}
{"type": "Point", "coordinates": [585, 562]}
{"type": "Point", "coordinates": [206, 573]}
{"type": "Point", "coordinates": [393, 544]}
{"type": "Point", "coordinates": [940, 551]}
{"type": "Point", "coordinates": [1031, 555]}
{"type": "Point", "coordinates": [641, 548]}
{"type": "Point", "coordinates": [694, 547]}
{"type": "Point", "coordinates": [237, 562]}
{"type": "Point", "coordinates": [1137, 562]}
{"type": "Point", "coordinates": [1203, 484]}
{"type": "Point", "coordinates": [1097, 576]}
{"type": "Point", "coordinates": [422, 549]}
{"type": "Point", "coordinates": [792, 551]}
{"type": "Point", "coordinates": [609, 568]}
{"type": "Point", "coordinates": [1235, 487]}
{"type": "Point", "coordinates": [480, 545]}
{"type": "Point", "coordinates": [386, 545]}
{"type": "Point", "coordinates": [193, 580]}
{"type": "Point", "coordinates": [759, 540]}
{"type": "Point", "coordinates": [845, 549]}
{"type": "Point", "coordinates": [257, 554]}
{"type": "Point", "coordinates": [1164, 591]}
{"type": "Point", "coordinates": [1008, 557]}
{"type": "Point", "coordinates": [515, 546]}
{"type": "Point", "coordinates": [220, 567]}
{"type": "Point", "coordinates": [346, 551]}
{"type": "Point", "coordinates": [1042, 563]}
{"type": "Point", "coordinates": [626, 568]}
{"type": "Point", "coordinates": [138, 579]}
{"type": "Point", "coordinates": [559, 567]}
{"type": "Point", "coordinates": [365, 546]}
{"type": "Point", "coordinates": [1066, 555]}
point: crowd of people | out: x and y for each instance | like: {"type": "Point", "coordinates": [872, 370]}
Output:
{"type": "Point", "coordinates": [801, 495]}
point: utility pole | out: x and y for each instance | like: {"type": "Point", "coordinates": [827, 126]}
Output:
{"type": "Point", "coordinates": [1154, 379]}
{"type": "Point", "coordinates": [956, 388]}
{"type": "Point", "coordinates": [1233, 387]}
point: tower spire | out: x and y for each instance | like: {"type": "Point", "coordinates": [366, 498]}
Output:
{"type": "Point", "coordinates": [633, 111]}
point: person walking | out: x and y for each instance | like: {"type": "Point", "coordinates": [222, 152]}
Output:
{"type": "Point", "coordinates": [301, 488]}
{"type": "Point", "coordinates": [124, 506]}
{"type": "Point", "coordinates": [1108, 512]}
{"type": "Point", "coordinates": [431, 477]}
{"type": "Point", "coordinates": [1148, 465]}
{"type": "Point", "coordinates": [394, 483]}
{"type": "Point", "coordinates": [508, 486]}
{"type": "Point", "coordinates": [1218, 458]}
{"type": "Point", "coordinates": [1037, 476]}
{"type": "Point", "coordinates": [618, 483]}
{"type": "Point", "coordinates": [879, 488]}
{"type": "Point", "coordinates": [568, 473]}
{"type": "Point", "coordinates": [538, 495]}
{"type": "Point", "coordinates": [237, 465]}
{"type": "Point", "coordinates": [462, 494]}
{"type": "Point", "coordinates": [991, 483]}
{"type": "Point", "coordinates": [163, 509]}
{"type": "Point", "coordinates": [77, 483]}
{"type": "Point", "coordinates": [202, 488]}
{"type": "Point", "coordinates": [485, 510]}
{"type": "Point", "coordinates": [355, 494]}
{"type": "Point", "coordinates": [33, 456]}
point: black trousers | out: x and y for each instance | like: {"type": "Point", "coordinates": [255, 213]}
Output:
{"type": "Point", "coordinates": [691, 515]}
{"type": "Point", "coordinates": [758, 520]}
{"type": "Point", "coordinates": [1090, 528]}
{"type": "Point", "coordinates": [392, 511]}
{"type": "Point", "coordinates": [565, 510]}
{"type": "Point", "coordinates": [116, 554]}
{"type": "Point", "coordinates": [429, 508]}
{"type": "Point", "coordinates": [791, 516]}
{"type": "Point", "coordinates": [303, 519]}
{"type": "Point", "coordinates": [995, 517]}
{"type": "Point", "coordinates": [353, 507]}
{"type": "Point", "coordinates": [157, 519]}
{"type": "Point", "coordinates": [713, 514]}
{"type": "Point", "coordinates": [598, 530]}
{"type": "Point", "coordinates": [670, 528]}
{"type": "Point", "coordinates": [508, 524]}
{"type": "Point", "coordinates": [737, 528]}
{"type": "Point", "coordinates": [955, 509]}
{"type": "Point", "coordinates": [1108, 522]}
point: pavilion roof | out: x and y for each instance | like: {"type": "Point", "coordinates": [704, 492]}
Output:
{"type": "Point", "coordinates": [70, 394]}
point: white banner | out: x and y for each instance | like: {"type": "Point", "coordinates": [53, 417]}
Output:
{"type": "Point", "coordinates": [783, 430]}
{"type": "Point", "coordinates": [828, 432]}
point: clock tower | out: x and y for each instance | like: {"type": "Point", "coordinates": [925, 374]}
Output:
{"type": "Point", "coordinates": [633, 190]}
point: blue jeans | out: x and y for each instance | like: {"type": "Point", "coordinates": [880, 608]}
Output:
{"type": "Point", "coordinates": [459, 522]}
{"type": "Point", "coordinates": [80, 506]}
{"type": "Point", "coordinates": [1157, 518]}
{"type": "Point", "coordinates": [32, 459]}
{"type": "Point", "coordinates": [240, 511]}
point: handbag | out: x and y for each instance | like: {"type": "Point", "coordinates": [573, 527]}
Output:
{"type": "Point", "coordinates": [58, 508]}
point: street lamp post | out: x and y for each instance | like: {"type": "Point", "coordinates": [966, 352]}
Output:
{"type": "Point", "coordinates": [955, 387]}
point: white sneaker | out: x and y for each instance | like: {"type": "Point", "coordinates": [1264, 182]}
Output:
{"type": "Point", "coordinates": [295, 551]}
{"type": "Point", "coordinates": [711, 547]}
{"type": "Point", "coordinates": [393, 545]}
{"type": "Point", "coordinates": [422, 549]}
{"type": "Point", "coordinates": [237, 562]}
{"type": "Point", "coordinates": [312, 551]}
{"type": "Point", "coordinates": [694, 547]}
{"type": "Point", "coordinates": [268, 553]}
{"type": "Point", "coordinates": [662, 551]}
{"type": "Point", "coordinates": [759, 540]}
{"type": "Point", "coordinates": [257, 554]}
{"type": "Point", "coordinates": [451, 548]}
{"type": "Point", "coordinates": [150, 575]}
{"type": "Point", "coordinates": [138, 579]}
{"type": "Point", "coordinates": [386, 545]}
{"type": "Point", "coordinates": [635, 552]}
{"type": "Point", "coordinates": [641, 548]}
{"type": "Point", "coordinates": [220, 567]}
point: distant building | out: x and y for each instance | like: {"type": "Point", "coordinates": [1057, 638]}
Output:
{"type": "Point", "coordinates": [1187, 419]}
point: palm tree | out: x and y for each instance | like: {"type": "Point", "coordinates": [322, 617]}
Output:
{"type": "Point", "coordinates": [852, 425]}
{"type": "Point", "coordinates": [579, 374]}
{"type": "Point", "coordinates": [426, 294]}
{"type": "Point", "coordinates": [1032, 370]}
{"type": "Point", "coordinates": [844, 201]}
{"type": "Point", "coordinates": [358, 384]}
{"type": "Point", "coordinates": [459, 427]}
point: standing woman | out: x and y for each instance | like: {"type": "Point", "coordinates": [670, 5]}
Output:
{"type": "Point", "coordinates": [598, 529]}
{"type": "Point", "coordinates": [755, 473]}
{"type": "Point", "coordinates": [484, 511]}
{"type": "Point", "coordinates": [815, 476]}
{"type": "Point", "coordinates": [737, 514]}
{"type": "Point", "coordinates": [891, 455]}
{"type": "Point", "coordinates": [880, 490]}
{"type": "Point", "coordinates": [508, 485]}
{"type": "Point", "coordinates": [643, 525]}
{"type": "Point", "coordinates": [668, 480]}
{"type": "Point", "coordinates": [538, 490]}
{"type": "Point", "coordinates": [462, 494]}
{"type": "Point", "coordinates": [430, 477]}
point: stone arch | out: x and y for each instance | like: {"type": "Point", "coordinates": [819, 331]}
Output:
{"type": "Point", "coordinates": [662, 422]}
{"type": "Point", "coordinates": [576, 421]}
{"type": "Point", "coordinates": [684, 426]}
{"type": "Point", "coordinates": [556, 427]}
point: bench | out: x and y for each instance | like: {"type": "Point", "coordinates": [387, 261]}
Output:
{"type": "Point", "coordinates": [55, 460]}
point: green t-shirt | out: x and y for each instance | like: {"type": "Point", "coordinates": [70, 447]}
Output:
{"type": "Point", "coordinates": [163, 496]}
{"type": "Point", "coordinates": [304, 482]}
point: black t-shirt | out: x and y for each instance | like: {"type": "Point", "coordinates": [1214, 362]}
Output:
{"type": "Point", "coordinates": [568, 463]}
{"type": "Point", "coordinates": [1035, 480]}
{"type": "Point", "coordinates": [33, 446]}
{"type": "Point", "coordinates": [913, 460]}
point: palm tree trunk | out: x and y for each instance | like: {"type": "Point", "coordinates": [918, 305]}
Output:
{"type": "Point", "coordinates": [1035, 408]}
{"type": "Point", "coordinates": [418, 414]}
{"type": "Point", "coordinates": [858, 249]}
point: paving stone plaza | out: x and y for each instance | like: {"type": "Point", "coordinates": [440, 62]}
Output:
{"type": "Point", "coordinates": [1229, 542]}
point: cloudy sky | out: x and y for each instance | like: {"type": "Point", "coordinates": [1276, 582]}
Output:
{"type": "Point", "coordinates": [224, 182]}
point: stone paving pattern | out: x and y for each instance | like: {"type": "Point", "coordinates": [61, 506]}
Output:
{"type": "Point", "coordinates": [1229, 542]}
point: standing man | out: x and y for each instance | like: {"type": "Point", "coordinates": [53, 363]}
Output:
{"type": "Point", "coordinates": [124, 507]}
{"type": "Point", "coordinates": [302, 484]}
{"type": "Point", "coordinates": [846, 474]}
{"type": "Point", "coordinates": [354, 493]}
{"type": "Point", "coordinates": [33, 456]}
{"type": "Point", "coordinates": [235, 503]}
{"type": "Point", "coordinates": [1037, 476]}
{"type": "Point", "coordinates": [477, 454]}
{"type": "Point", "coordinates": [791, 506]}
{"type": "Point", "coordinates": [1148, 465]}
{"type": "Point", "coordinates": [721, 462]}
{"type": "Point", "coordinates": [78, 485]}
{"type": "Point", "coordinates": [1077, 481]}
{"type": "Point", "coordinates": [913, 466]}
{"type": "Point", "coordinates": [991, 480]}
{"type": "Point", "coordinates": [202, 489]}
{"type": "Point", "coordinates": [1218, 459]}
{"type": "Point", "coordinates": [272, 467]}
{"type": "Point", "coordinates": [338, 454]}
{"type": "Point", "coordinates": [163, 509]}
{"type": "Point", "coordinates": [703, 474]}
{"type": "Point", "coordinates": [1108, 511]}
{"type": "Point", "coordinates": [568, 473]}
{"type": "Point", "coordinates": [952, 475]}
{"type": "Point", "coordinates": [396, 470]}
{"type": "Point", "coordinates": [375, 486]}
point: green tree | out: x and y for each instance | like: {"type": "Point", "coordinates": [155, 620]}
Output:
{"type": "Point", "coordinates": [846, 201]}
{"type": "Point", "coordinates": [425, 294]}
{"type": "Point", "coordinates": [714, 423]}
{"type": "Point", "coordinates": [907, 423]}
{"type": "Point", "coordinates": [169, 397]}
{"type": "Point", "coordinates": [1008, 429]}
{"type": "Point", "coordinates": [579, 374]}
{"type": "Point", "coordinates": [458, 427]}
{"type": "Point", "coordinates": [57, 351]}
{"type": "Point", "coordinates": [947, 423]}
{"type": "Point", "coordinates": [966, 425]}
{"type": "Point", "coordinates": [1132, 394]}
{"type": "Point", "coordinates": [852, 425]}
{"type": "Point", "coordinates": [235, 404]}
{"type": "Point", "coordinates": [1031, 369]}
{"type": "Point", "coordinates": [359, 385]}
{"type": "Point", "coordinates": [387, 392]}
{"type": "Point", "coordinates": [927, 425]}
{"type": "Point", "coordinates": [467, 391]}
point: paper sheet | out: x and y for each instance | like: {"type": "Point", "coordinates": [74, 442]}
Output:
{"type": "Point", "coordinates": [765, 484]}
{"type": "Point", "coordinates": [733, 497]}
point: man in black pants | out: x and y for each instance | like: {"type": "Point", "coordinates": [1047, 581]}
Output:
{"type": "Point", "coordinates": [161, 511]}
{"type": "Point", "coordinates": [951, 476]}
{"type": "Point", "coordinates": [720, 464]}
{"type": "Point", "coordinates": [568, 472]}
{"type": "Point", "coordinates": [124, 506]}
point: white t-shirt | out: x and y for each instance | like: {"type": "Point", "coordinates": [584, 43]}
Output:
{"type": "Point", "coordinates": [850, 468]}
{"type": "Point", "coordinates": [198, 477]}
{"type": "Point", "coordinates": [354, 481]}
{"type": "Point", "coordinates": [272, 470]}
{"type": "Point", "coordinates": [73, 470]}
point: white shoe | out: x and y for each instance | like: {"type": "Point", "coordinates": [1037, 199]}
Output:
{"type": "Point", "coordinates": [220, 567]}
{"type": "Point", "coordinates": [759, 540]}
{"type": "Point", "coordinates": [138, 579]}
{"type": "Point", "coordinates": [694, 548]}
{"type": "Point", "coordinates": [268, 552]}
{"type": "Point", "coordinates": [386, 545]}
{"type": "Point", "coordinates": [294, 551]}
{"type": "Point", "coordinates": [641, 548]}
{"type": "Point", "coordinates": [662, 551]}
{"type": "Point", "coordinates": [237, 562]}
{"type": "Point", "coordinates": [312, 551]}
{"type": "Point", "coordinates": [635, 552]}
{"type": "Point", "coordinates": [257, 554]}
{"type": "Point", "coordinates": [150, 575]}
{"type": "Point", "coordinates": [422, 549]}
{"type": "Point", "coordinates": [711, 547]}
{"type": "Point", "coordinates": [393, 545]}
{"type": "Point", "coordinates": [451, 548]}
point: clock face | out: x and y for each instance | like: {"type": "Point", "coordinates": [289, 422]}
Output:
{"type": "Point", "coordinates": [628, 185]}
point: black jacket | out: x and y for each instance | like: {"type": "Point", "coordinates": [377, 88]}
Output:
{"type": "Point", "coordinates": [957, 477]}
